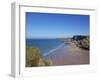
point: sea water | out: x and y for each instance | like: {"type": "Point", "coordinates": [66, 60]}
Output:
{"type": "Point", "coordinates": [44, 45]}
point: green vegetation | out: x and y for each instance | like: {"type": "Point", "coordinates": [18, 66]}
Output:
{"type": "Point", "coordinates": [47, 62]}
{"type": "Point", "coordinates": [34, 59]}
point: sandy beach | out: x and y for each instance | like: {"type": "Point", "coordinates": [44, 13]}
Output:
{"type": "Point", "coordinates": [69, 54]}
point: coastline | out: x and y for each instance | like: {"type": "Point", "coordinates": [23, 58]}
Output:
{"type": "Point", "coordinates": [51, 51]}
{"type": "Point", "coordinates": [68, 55]}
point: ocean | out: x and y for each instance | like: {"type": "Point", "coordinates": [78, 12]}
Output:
{"type": "Point", "coordinates": [44, 45]}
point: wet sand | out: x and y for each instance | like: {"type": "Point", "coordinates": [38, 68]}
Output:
{"type": "Point", "coordinates": [69, 54]}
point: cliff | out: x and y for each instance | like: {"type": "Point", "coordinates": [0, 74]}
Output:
{"type": "Point", "coordinates": [81, 41]}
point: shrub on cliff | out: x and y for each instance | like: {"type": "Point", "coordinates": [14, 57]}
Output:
{"type": "Point", "coordinates": [33, 58]}
{"type": "Point", "coordinates": [47, 62]}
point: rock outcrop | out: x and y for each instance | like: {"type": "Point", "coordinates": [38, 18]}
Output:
{"type": "Point", "coordinates": [81, 41]}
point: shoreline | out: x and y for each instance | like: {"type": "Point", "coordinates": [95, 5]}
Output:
{"type": "Point", "coordinates": [51, 51]}
{"type": "Point", "coordinates": [68, 55]}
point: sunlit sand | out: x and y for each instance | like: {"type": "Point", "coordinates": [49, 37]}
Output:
{"type": "Point", "coordinates": [69, 55]}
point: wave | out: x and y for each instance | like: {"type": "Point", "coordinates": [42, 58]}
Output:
{"type": "Point", "coordinates": [45, 54]}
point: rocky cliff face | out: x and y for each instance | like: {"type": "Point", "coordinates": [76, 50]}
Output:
{"type": "Point", "coordinates": [82, 41]}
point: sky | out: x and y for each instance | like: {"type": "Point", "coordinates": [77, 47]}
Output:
{"type": "Point", "coordinates": [51, 25]}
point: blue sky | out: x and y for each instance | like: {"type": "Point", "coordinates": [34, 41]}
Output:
{"type": "Point", "coordinates": [47, 25]}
